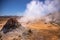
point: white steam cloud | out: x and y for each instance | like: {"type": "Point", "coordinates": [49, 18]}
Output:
{"type": "Point", "coordinates": [37, 9]}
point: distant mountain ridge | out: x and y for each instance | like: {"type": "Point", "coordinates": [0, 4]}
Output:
{"type": "Point", "coordinates": [10, 16]}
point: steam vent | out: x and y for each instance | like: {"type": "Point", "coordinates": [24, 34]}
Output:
{"type": "Point", "coordinates": [39, 30]}
{"type": "Point", "coordinates": [30, 20]}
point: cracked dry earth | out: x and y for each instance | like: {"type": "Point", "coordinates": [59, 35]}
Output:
{"type": "Point", "coordinates": [33, 32]}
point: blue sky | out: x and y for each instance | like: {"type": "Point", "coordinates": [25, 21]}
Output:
{"type": "Point", "coordinates": [13, 7]}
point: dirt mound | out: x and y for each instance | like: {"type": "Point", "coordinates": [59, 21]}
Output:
{"type": "Point", "coordinates": [10, 25]}
{"type": "Point", "coordinates": [39, 30]}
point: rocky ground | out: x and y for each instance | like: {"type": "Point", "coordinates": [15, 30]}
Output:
{"type": "Point", "coordinates": [13, 30]}
{"type": "Point", "coordinates": [31, 35]}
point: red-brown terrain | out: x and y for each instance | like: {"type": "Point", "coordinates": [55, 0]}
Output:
{"type": "Point", "coordinates": [38, 30]}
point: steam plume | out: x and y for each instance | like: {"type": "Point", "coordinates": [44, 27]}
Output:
{"type": "Point", "coordinates": [37, 9]}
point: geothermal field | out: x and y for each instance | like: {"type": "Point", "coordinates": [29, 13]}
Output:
{"type": "Point", "coordinates": [12, 29]}
{"type": "Point", "coordinates": [30, 20]}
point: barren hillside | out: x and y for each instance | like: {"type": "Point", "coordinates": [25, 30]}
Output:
{"type": "Point", "coordinates": [38, 30]}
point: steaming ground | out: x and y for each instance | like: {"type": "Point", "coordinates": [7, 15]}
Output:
{"type": "Point", "coordinates": [40, 22]}
{"type": "Point", "coordinates": [38, 30]}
